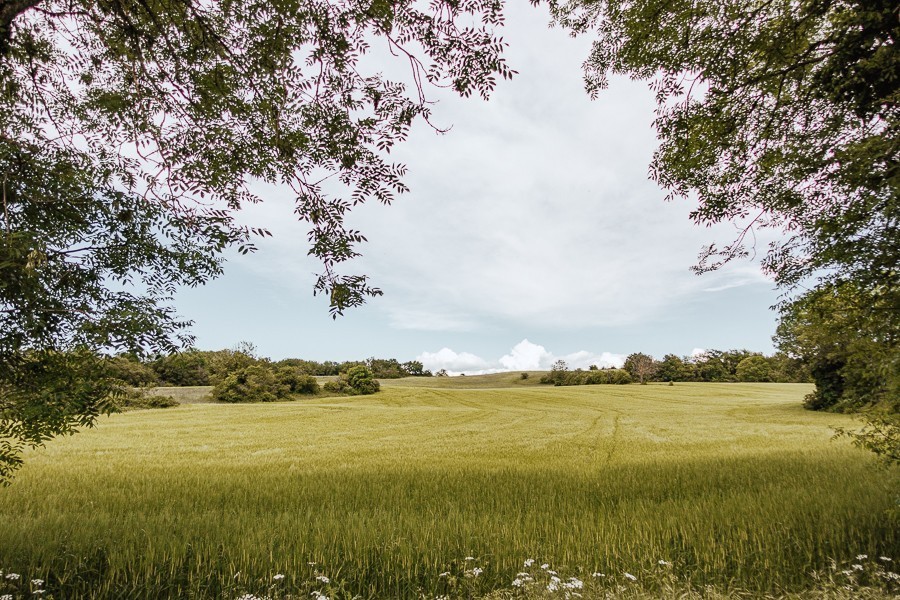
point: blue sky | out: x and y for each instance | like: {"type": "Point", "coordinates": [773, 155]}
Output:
{"type": "Point", "coordinates": [532, 233]}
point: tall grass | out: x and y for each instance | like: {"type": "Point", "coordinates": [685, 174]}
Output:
{"type": "Point", "coordinates": [734, 484]}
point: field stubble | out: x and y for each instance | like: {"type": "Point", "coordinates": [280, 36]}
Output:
{"type": "Point", "coordinates": [734, 484]}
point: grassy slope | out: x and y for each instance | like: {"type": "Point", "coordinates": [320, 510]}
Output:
{"type": "Point", "coordinates": [734, 483]}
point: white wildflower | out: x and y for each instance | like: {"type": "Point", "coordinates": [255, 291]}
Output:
{"type": "Point", "coordinates": [444, 574]}
{"type": "Point", "coordinates": [278, 576]}
{"type": "Point", "coordinates": [574, 583]}
{"type": "Point", "coordinates": [530, 561]}
{"type": "Point", "coordinates": [37, 582]}
{"type": "Point", "coordinates": [470, 558]}
{"type": "Point", "coordinates": [663, 563]}
{"type": "Point", "coordinates": [553, 572]}
{"type": "Point", "coordinates": [6, 597]}
{"type": "Point", "coordinates": [885, 559]}
{"type": "Point", "coordinates": [856, 567]}
{"type": "Point", "coordinates": [477, 571]}
{"type": "Point", "coordinates": [598, 574]}
{"type": "Point", "coordinates": [322, 578]}
{"type": "Point", "coordinates": [545, 566]}
{"type": "Point", "coordinates": [518, 582]}
{"type": "Point", "coordinates": [317, 595]}
{"type": "Point", "coordinates": [552, 586]}
{"type": "Point", "coordinates": [630, 576]}
{"type": "Point", "coordinates": [12, 576]}
{"type": "Point", "coordinates": [892, 575]}
{"type": "Point", "coordinates": [312, 564]}
{"type": "Point", "coordinates": [862, 556]}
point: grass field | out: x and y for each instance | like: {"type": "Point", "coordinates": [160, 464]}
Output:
{"type": "Point", "coordinates": [734, 484]}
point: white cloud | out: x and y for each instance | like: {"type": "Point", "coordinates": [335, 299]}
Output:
{"type": "Point", "coordinates": [698, 352]}
{"type": "Point", "coordinates": [524, 356]}
{"type": "Point", "coordinates": [445, 358]}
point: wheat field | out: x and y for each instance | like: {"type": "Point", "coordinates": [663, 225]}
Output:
{"type": "Point", "coordinates": [735, 485]}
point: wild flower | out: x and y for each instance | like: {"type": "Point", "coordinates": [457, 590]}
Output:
{"type": "Point", "coordinates": [470, 558]}
{"type": "Point", "coordinates": [37, 582]}
{"type": "Point", "coordinates": [477, 571]}
{"type": "Point", "coordinates": [630, 577]}
{"type": "Point", "coordinates": [322, 578]}
{"type": "Point", "coordinates": [856, 567]}
{"type": "Point", "coordinates": [317, 595]}
{"type": "Point", "coordinates": [444, 574]}
{"type": "Point", "coordinates": [573, 584]}
{"type": "Point", "coordinates": [6, 597]}
{"type": "Point", "coordinates": [862, 556]}
{"type": "Point", "coordinates": [545, 566]}
{"type": "Point", "coordinates": [663, 563]}
{"type": "Point", "coordinates": [12, 576]}
{"type": "Point", "coordinates": [885, 559]}
{"type": "Point", "coordinates": [529, 562]}
{"type": "Point", "coordinates": [278, 576]}
{"type": "Point", "coordinates": [553, 572]}
{"type": "Point", "coordinates": [598, 574]}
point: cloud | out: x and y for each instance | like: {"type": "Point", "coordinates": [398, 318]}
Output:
{"type": "Point", "coordinates": [524, 356]}
{"type": "Point", "coordinates": [445, 358]}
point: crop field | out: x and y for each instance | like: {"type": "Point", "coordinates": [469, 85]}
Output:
{"type": "Point", "coordinates": [735, 485]}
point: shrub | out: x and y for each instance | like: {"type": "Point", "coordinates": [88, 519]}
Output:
{"type": "Point", "coordinates": [362, 380]}
{"type": "Point", "coordinates": [137, 398]}
{"type": "Point", "coordinates": [297, 381]}
{"type": "Point", "coordinates": [256, 383]}
{"type": "Point", "coordinates": [338, 386]}
{"type": "Point", "coordinates": [131, 371]}
{"type": "Point", "coordinates": [182, 368]}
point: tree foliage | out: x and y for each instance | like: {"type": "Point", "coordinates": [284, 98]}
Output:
{"type": "Point", "coordinates": [850, 340]}
{"type": "Point", "coordinates": [132, 132]}
{"type": "Point", "coordinates": [773, 114]}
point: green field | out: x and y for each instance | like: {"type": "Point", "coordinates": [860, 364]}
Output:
{"type": "Point", "coordinates": [734, 484]}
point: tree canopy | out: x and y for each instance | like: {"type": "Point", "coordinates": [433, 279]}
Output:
{"type": "Point", "coordinates": [781, 115]}
{"type": "Point", "coordinates": [133, 131]}
{"type": "Point", "coordinates": [773, 114]}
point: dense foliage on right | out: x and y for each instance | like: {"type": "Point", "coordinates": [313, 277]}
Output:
{"type": "Point", "coordinates": [786, 116]}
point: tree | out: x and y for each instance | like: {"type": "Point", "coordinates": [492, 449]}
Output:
{"type": "Point", "coordinates": [850, 342]}
{"type": "Point", "coordinates": [754, 368]}
{"type": "Point", "coordinates": [672, 368]}
{"type": "Point", "coordinates": [132, 132]}
{"type": "Point", "coordinates": [777, 114]}
{"type": "Point", "coordinates": [640, 366]}
{"type": "Point", "coordinates": [780, 115]}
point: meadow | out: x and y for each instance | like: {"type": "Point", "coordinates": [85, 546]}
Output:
{"type": "Point", "coordinates": [730, 485]}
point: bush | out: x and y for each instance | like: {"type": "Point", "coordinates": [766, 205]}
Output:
{"type": "Point", "coordinates": [256, 383]}
{"type": "Point", "coordinates": [338, 386]}
{"type": "Point", "coordinates": [182, 368]}
{"type": "Point", "coordinates": [297, 381]}
{"type": "Point", "coordinates": [362, 380]}
{"type": "Point", "coordinates": [358, 380]}
{"type": "Point", "coordinates": [131, 371]}
{"type": "Point", "coordinates": [137, 398]}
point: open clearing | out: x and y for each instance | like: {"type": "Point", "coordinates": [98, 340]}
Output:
{"type": "Point", "coordinates": [735, 484]}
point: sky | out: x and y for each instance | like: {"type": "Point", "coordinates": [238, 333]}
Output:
{"type": "Point", "coordinates": [531, 233]}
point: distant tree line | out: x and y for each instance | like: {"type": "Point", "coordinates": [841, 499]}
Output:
{"type": "Point", "coordinates": [211, 367]}
{"type": "Point", "coordinates": [710, 366]}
